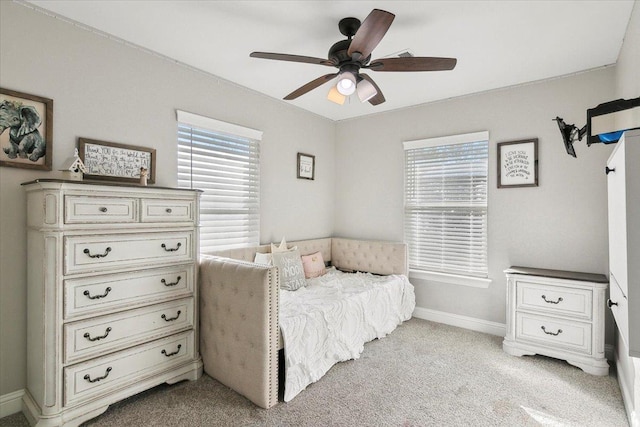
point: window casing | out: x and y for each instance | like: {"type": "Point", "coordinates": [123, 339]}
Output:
{"type": "Point", "coordinates": [445, 213]}
{"type": "Point", "coordinates": [222, 160]}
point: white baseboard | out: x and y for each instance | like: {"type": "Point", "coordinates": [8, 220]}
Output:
{"type": "Point", "coordinates": [11, 403]}
{"type": "Point", "coordinates": [460, 321]}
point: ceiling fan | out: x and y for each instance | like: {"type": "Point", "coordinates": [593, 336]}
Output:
{"type": "Point", "coordinates": [353, 54]}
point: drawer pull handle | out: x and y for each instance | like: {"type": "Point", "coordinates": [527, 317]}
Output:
{"type": "Point", "coordinates": [611, 303]}
{"type": "Point", "coordinates": [166, 319]}
{"type": "Point", "coordinates": [171, 249]}
{"type": "Point", "coordinates": [551, 333]}
{"type": "Point", "coordinates": [164, 282]}
{"type": "Point", "coordinates": [607, 169]}
{"type": "Point", "coordinates": [106, 292]}
{"type": "Point", "coordinates": [102, 209]}
{"type": "Point", "coordinates": [168, 210]}
{"type": "Point", "coordinates": [95, 380]}
{"type": "Point", "coordinates": [106, 252]}
{"type": "Point", "coordinates": [551, 301]}
{"type": "Point", "coordinates": [106, 334]}
{"type": "Point", "coordinates": [172, 354]}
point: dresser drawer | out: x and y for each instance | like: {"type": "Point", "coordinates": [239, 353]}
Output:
{"type": "Point", "coordinates": [553, 332]}
{"type": "Point", "coordinates": [167, 210]}
{"type": "Point", "coordinates": [102, 294]}
{"type": "Point", "coordinates": [101, 335]}
{"type": "Point", "coordinates": [87, 209]}
{"type": "Point", "coordinates": [108, 252]}
{"type": "Point", "coordinates": [553, 299]}
{"type": "Point", "coordinates": [103, 375]}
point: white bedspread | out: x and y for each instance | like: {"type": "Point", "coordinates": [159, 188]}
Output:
{"type": "Point", "coordinates": [330, 319]}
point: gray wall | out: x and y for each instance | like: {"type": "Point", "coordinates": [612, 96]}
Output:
{"type": "Point", "coordinates": [561, 224]}
{"type": "Point", "coordinates": [105, 90]}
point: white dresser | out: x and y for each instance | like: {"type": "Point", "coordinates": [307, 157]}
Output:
{"type": "Point", "coordinates": [111, 295]}
{"type": "Point", "coordinates": [623, 186]}
{"type": "Point", "coordinates": [557, 314]}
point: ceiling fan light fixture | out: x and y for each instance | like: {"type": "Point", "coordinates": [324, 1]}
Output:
{"type": "Point", "coordinates": [346, 83]}
{"type": "Point", "coordinates": [366, 90]}
{"type": "Point", "coordinates": [335, 96]}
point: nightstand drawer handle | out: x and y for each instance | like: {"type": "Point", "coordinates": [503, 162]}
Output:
{"type": "Point", "coordinates": [102, 209]}
{"type": "Point", "coordinates": [106, 252]}
{"type": "Point", "coordinates": [164, 282]}
{"type": "Point", "coordinates": [106, 374]}
{"type": "Point", "coordinates": [106, 292]}
{"type": "Point", "coordinates": [168, 210]}
{"type": "Point", "coordinates": [166, 319]}
{"type": "Point", "coordinates": [172, 354]}
{"type": "Point", "coordinates": [551, 301]}
{"type": "Point", "coordinates": [551, 333]}
{"type": "Point", "coordinates": [106, 334]}
{"type": "Point", "coordinates": [171, 249]}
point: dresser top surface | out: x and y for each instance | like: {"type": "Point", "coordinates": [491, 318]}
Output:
{"type": "Point", "coordinates": [559, 274]}
{"type": "Point", "coordinates": [103, 183]}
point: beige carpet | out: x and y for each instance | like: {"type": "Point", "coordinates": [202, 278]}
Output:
{"type": "Point", "coordinates": [423, 374]}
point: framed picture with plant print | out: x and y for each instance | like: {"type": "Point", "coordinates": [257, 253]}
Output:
{"type": "Point", "coordinates": [518, 163]}
{"type": "Point", "coordinates": [112, 161]}
{"type": "Point", "coordinates": [26, 130]}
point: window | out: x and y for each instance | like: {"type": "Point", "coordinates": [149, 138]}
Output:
{"type": "Point", "coordinates": [445, 214]}
{"type": "Point", "coordinates": [223, 160]}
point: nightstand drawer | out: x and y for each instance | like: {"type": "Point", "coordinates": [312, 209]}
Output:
{"type": "Point", "coordinates": [109, 252]}
{"type": "Point", "coordinates": [101, 210]}
{"type": "Point", "coordinates": [553, 299]}
{"type": "Point", "coordinates": [167, 210]}
{"type": "Point", "coordinates": [104, 294]}
{"type": "Point", "coordinates": [553, 332]}
{"type": "Point", "coordinates": [105, 374]}
{"type": "Point", "coordinates": [101, 335]}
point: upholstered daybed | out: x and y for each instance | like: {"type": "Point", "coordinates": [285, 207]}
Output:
{"type": "Point", "coordinates": [240, 310]}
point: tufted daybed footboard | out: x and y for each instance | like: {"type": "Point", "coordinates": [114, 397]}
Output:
{"type": "Point", "coordinates": [239, 329]}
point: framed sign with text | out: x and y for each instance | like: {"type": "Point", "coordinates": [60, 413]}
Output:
{"type": "Point", "coordinates": [117, 162]}
{"type": "Point", "coordinates": [518, 163]}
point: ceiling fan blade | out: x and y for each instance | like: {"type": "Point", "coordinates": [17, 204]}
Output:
{"type": "Point", "coordinates": [379, 97]}
{"type": "Point", "coordinates": [292, 58]}
{"type": "Point", "coordinates": [370, 33]}
{"type": "Point", "coordinates": [415, 63]}
{"type": "Point", "coordinates": [310, 86]}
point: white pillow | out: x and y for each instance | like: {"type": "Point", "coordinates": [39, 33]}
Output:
{"type": "Point", "coordinates": [290, 268]}
{"type": "Point", "coordinates": [282, 247]}
{"type": "Point", "coordinates": [263, 259]}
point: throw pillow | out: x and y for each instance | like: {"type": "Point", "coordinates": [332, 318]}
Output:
{"type": "Point", "coordinates": [263, 259]}
{"type": "Point", "coordinates": [281, 248]}
{"type": "Point", "coordinates": [290, 268]}
{"type": "Point", "coordinates": [313, 265]}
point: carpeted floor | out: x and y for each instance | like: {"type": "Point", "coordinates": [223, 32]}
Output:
{"type": "Point", "coordinates": [422, 374]}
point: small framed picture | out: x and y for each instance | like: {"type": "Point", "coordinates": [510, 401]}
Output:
{"type": "Point", "coordinates": [306, 166]}
{"type": "Point", "coordinates": [27, 130]}
{"type": "Point", "coordinates": [518, 163]}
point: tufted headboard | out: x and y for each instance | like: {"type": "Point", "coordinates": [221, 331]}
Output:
{"type": "Point", "coordinates": [378, 257]}
{"type": "Point", "coordinates": [374, 257]}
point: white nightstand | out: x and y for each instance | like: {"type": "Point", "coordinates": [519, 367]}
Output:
{"type": "Point", "coordinates": [557, 314]}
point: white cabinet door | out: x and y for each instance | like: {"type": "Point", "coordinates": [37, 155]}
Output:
{"type": "Point", "coordinates": [616, 187]}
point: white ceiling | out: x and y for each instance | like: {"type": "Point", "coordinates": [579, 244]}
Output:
{"type": "Point", "coordinates": [497, 43]}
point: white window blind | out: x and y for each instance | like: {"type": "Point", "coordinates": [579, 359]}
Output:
{"type": "Point", "coordinates": [226, 166]}
{"type": "Point", "coordinates": [445, 219]}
